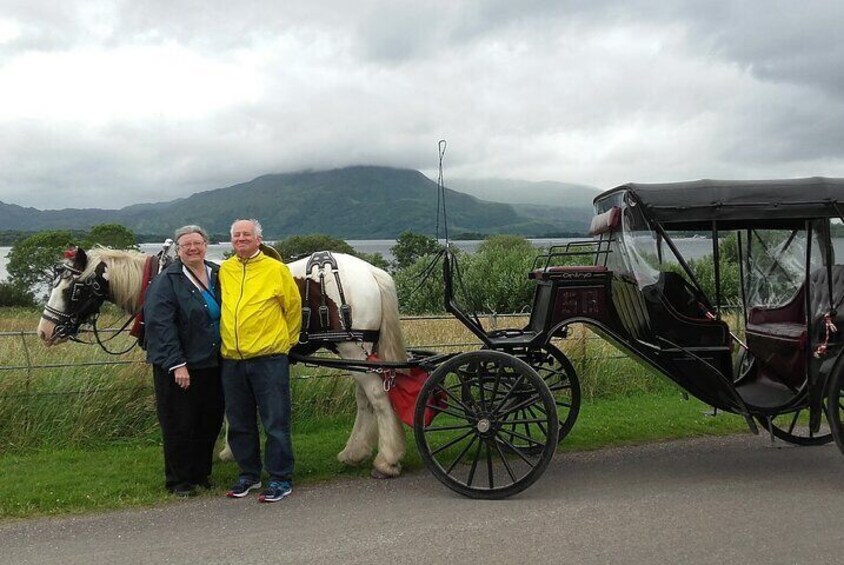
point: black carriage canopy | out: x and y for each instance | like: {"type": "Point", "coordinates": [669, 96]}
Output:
{"type": "Point", "coordinates": [694, 205]}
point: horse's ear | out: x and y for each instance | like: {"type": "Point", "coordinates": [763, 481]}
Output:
{"type": "Point", "coordinates": [80, 259]}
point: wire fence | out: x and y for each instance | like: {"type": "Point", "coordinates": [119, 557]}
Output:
{"type": "Point", "coordinates": [75, 394]}
{"type": "Point", "coordinates": [29, 357]}
{"type": "Point", "coordinates": [22, 354]}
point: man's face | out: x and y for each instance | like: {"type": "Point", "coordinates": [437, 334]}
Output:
{"type": "Point", "coordinates": [244, 241]}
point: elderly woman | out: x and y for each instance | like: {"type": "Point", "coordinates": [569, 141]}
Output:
{"type": "Point", "coordinates": [182, 314]}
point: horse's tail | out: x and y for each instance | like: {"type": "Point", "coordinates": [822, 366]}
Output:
{"type": "Point", "coordinates": [390, 341]}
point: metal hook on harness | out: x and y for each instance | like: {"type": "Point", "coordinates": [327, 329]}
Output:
{"type": "Point", "coordinates": [389, 379]}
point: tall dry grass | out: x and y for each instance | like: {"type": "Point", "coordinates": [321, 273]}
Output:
{"type": "Point", "coordinates": [74, 394]}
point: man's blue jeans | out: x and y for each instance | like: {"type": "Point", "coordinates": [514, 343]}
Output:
{"type": "Point", "coordinates": [262, 385]}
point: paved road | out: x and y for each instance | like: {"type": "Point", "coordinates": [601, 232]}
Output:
{"type": "Point", "coordinates": [715, 500]}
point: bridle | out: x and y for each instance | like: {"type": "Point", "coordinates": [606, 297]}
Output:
{"type": "Point", "coordinates": [86, 297]}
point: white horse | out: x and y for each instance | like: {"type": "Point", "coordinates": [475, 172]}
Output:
{"type": "Point", "coordinates": [84, 280]}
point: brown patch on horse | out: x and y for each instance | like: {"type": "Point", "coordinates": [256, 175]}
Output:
{"type": "Point", "coordinates": [314, 301]}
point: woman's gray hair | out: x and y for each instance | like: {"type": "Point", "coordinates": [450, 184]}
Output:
{"type": "Point", "coordinates": [258, 229]}
{"type": "Point", "coordinates": [184, 230]}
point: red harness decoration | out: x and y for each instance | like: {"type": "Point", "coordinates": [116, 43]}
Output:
{"type": "Point", "coordinates": [829, 329]}
{"type": "Point", "coordinates": [150, 270]}
{"type": "Point", "coordinates": [403, 389]}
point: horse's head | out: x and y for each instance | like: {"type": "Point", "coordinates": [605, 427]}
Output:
{"type": "Point", "coordinates": [80, 286]}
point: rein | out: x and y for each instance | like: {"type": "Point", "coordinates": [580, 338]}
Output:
{"type": "Point", "coordinates": [67, 325]}
{"type": "Point", "coordinates": [102, 342]}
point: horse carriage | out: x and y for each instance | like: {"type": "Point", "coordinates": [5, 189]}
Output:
{"type": "Point", "coordinates": [487, 422]}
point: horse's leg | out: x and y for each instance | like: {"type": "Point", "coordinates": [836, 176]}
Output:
{"type": "Point", "coordinates": [391, 441]}
{"type": "Point", "coordinates": [226, 453]}
{"type": "Point", "coordinates": [364, 433]}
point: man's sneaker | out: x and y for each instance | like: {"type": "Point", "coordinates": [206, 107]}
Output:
{"type": "Point", "coordinates": [243, 487]}
{"type": "Point", "coordinates": [275, 491]}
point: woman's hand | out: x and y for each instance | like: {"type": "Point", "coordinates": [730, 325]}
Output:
{"type": "Point", "coordinates": [182, 377]}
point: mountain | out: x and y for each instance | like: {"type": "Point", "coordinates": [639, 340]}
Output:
{"type": "Point", "coordinates": [543, 193]}
{"type": "Point", "coordinates": [14, 217]}
{"type": "Point", "coordinates": [360, 202]}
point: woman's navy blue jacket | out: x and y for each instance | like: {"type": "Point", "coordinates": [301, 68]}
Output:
{"type": "Point", "coordinates": [178, 327]}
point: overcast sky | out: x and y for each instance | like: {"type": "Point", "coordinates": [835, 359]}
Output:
{"type": "Point", "coordinates": [107, 103]}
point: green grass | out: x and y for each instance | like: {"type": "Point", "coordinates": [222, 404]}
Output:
{"type": "Point", "coordinates": [77, 438]}
{"type": "Point", "coordinates": [122, 475]}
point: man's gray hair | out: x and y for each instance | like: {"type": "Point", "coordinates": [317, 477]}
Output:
{"type": "Point", "coordinates": [184, 230]}
{"type": "Point", "coordinates": [258, 229]}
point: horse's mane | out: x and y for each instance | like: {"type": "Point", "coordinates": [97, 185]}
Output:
{"type": "Point", "coordinates": [125, 271]}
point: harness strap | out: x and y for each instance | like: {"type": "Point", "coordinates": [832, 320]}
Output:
{"type": "Point", "coordinates": [341, 336]}
{"type": "Point", "coordinates": [321, 260]}
{"type": "Point", "coordinates": [152, 267]}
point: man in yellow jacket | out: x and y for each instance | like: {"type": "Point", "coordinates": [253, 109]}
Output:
{"type": "Point", "coordinates": [261, 317]}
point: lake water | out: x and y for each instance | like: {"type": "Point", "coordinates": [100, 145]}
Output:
{"type": "Point", "coordinates": [692, 248]}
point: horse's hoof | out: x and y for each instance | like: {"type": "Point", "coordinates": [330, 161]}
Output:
{"type": "Point", "coordinates": [350, 461]}
{"type": "Point", "coordinates": [376, 474]}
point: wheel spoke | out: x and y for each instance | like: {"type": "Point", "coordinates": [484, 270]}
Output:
{"type": "Point", "coordinates": [460, 456]}
{"type": "Point", "coordinates": [505, 462]}
{"type": "Point", "coordinates": [490, 475]}
{"type": "Point", "coordinates": [528, 421]}
{"type": "Point", "coordinates": [442, 410]}
{"type": "Point", "coordinates": [456, 400]}
{"type": "Point", "coordinates": [449, 428]}
{"type": "Point", "coordinates": [533, 400]}
{"type": "Point", "coordinates": [470, 479]}
{"type": "Point", "coordinates": [540, 421]}
{"type": "Point", "coordinates": [512, 388]}
{"type": "Point", "coordinates": [513, 433]}
{"type": "Point", "coordinates": [452, 442]}
{"type": "Point", "coordinates": [517, 451]}
{"type": "Point", "coordinates": [793, 422]}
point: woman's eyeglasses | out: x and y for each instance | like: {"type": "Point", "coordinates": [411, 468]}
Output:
{"type": "Point", "coordinates": [189, 244]}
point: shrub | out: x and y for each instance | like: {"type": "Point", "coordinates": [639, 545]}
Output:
{"type": "Point", "coordinates": [13, 295]}
{"type": "Point", "coordinates": [495, 278]}
{"type": "Point", "coordinates": [301, 245]}
{"type": "Point", "coordinates": [417, 295]}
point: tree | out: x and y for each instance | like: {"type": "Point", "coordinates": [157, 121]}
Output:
{"type": "Point", "coordinates": [411, 246]}
{"type": "Point", "coordinates": [299, 245]}
{"type": "Point", "coordinates": [31, 260]}
{"type": "Point", "coordinates": [115, 236]}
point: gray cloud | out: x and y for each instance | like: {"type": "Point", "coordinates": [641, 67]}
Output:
{"type": "Point", "coordinates": [112, 103]}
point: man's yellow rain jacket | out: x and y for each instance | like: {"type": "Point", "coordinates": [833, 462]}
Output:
{"type": "Point", "coordinates": [261, 310]}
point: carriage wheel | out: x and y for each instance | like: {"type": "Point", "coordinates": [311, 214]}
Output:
{"type": "Point", "coordinates": [558, 373]}
{"type": "Point", "coordinates": [485, 409]}
{"type": "Point", "coordinates": [793, 427]}
{"type": "Point", "coordinates": [835, 408]}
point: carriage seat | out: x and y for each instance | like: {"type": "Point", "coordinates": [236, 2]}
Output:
{"type": "Point", "coordinates": [786, 330]}
{"type": "Point", "coordinates": [675, 308]}
{"type": "Point", "coordinates": [786, 319]}
{"type": "Point", "coordinates": [565, 271]}
{"type": "Point", "coordinates": [779, 337]}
